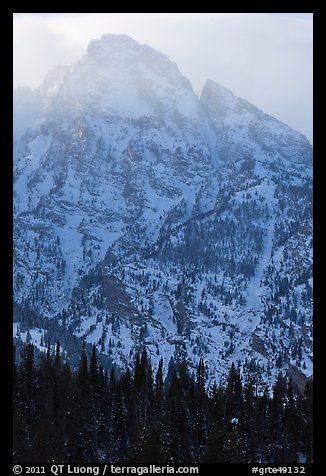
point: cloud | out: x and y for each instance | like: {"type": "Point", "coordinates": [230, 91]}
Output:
{"type": "Point", "coordinates": [265, 58]}
{"type": "Point", "coordinates": [37, 48]}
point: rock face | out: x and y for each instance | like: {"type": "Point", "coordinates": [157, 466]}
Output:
{"type": "Point", "coordinates": [147, 216]}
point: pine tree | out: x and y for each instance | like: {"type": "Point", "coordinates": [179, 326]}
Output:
{"type": "Point", "coordinates": [248, 423]}
{"type": "Point", "coordinates": [113, 380]}
{"type": "Point", "coordinates": [82, 377]}
{"type": "Point", "coordinates": [117, 441]}
{"type": "Point", "coordinates": [179, 414]}
{"type": "Point", "coordinates": [42, 431]}
{"type": "Point", "coordinates": [57, 359]}
{"type": "Point", "coordinates": [19, 423]}
{"type": "Point", "coordinates": [27, 407]}
{"type": "Point", "coordinates": [217, 399]}
{"type": "Point", "coordinates": [77, 438]}
{"type": "Point", "coordinates": [159, 401]}
{"type": "Point", "coordinates": [291, 425]}
{"type": "Point", "coordinates": [170, 373]}
{"type": "Point", "coordinates": [199, 412]}
{"type": "Point", "coordinates": [94, 374]}
{"type": "Point", "coordinates": [94, 418]}
{"type": "Point", "coordinates": [233, 396]}
{"type": "Point", "coordinates": [137, 372]}
{"type": "Point", "coordinates": [276, 416]}
{"type": "Point", "coordinates": [158, 437]}
{"type": "Point", "coordinates": [306, 418]}
{"type": "Point", "coordinates": [263, 425]}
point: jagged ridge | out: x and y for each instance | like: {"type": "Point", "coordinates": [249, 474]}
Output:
{"type": "Point", "coordinates": [198, 210]}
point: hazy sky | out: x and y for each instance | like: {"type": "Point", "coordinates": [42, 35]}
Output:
{"type": "Point", "coordinates": [265, 58]}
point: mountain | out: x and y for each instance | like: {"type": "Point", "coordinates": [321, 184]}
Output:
{"type": "Point", "coordinates": [146, 216]}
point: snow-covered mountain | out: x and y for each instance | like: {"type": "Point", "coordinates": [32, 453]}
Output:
{"type": "Point", "coordinates": [145, 215]}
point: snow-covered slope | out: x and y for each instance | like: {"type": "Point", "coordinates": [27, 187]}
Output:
{"type": "Point", "coordinates": [242, 129]}
{"type": "Point", "coordinates": [147, 216]}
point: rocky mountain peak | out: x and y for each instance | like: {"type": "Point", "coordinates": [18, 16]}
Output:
{"type": "Point", "coordinates": [109, 44]}
{"type": "Point", "coordinates": [123, 52]}
{"type": "Point", "coordinates": [147, 217]}
{"type": "Point", "coordinates": [120, 77]}
{"type": "Point", "coordinates": [216, 97]}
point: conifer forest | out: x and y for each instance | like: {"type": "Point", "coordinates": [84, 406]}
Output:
{"type": "Point", "coordinates": [140, 418]}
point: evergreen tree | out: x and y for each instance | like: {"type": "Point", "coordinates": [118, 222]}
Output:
{"type": "Point", "coordinates": [291, 425]}
{"type": "Point", "coordinates": [78, 439]}
{"type": "Point", "coordinates": [306, 418]}
{"type": "Point", "coordinates": [57, 359]}
{"type": "Point", "coordinates": [27, 406]}
{"type": "Point", "coordinates": [118, 442]}
{"type": "Point", "coordinates": [42, 440]}
{"type": "Point", "coordinates": [263, 425]}
{"type": "Point", "coordinates": [199, 412]}
{"type": "Point", "coordinates": [233, 396]}
{"type": "Point", "coordinates": [249, 419]}
{"type": "Point", "coordinates": [276, 415]}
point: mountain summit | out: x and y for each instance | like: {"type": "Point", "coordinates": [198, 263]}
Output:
{"type": "Point", "coordinates": [145, 216]}
{"type": "Point", "coordinates": [120, 77]}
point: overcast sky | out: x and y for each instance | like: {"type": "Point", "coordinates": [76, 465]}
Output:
{"type": "Point", "coordinates": [265, 58]}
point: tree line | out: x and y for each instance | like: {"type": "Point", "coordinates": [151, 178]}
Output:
{"type": "Point", "coordinates": [92, 415]}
